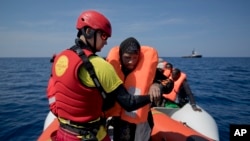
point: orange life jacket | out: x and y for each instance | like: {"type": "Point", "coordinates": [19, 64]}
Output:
{"type": "Point", "coordinates": [137, 82]}
{"type": "Point", "coordinates": [65, 88]}
{"type": "Point", "coordinates": [177, 84]}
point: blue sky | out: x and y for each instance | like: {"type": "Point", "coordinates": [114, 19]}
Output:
{"type": "Point", "coordinates": [215, 28]}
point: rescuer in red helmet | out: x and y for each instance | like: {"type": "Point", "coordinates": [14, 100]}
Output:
{"type": "Point", "coordinates": [83, 85]}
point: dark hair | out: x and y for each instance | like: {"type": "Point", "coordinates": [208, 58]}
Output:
{"type": "Point", "coordinates": [129, 45]}
{"type": "Point", "coordinates": [169, 87]}
{"type": "Point", "coordinates": [159, 76]}
{"type": "Point", "coordinates": [169, 66]}
{"type": "Point", "coordinates": [176, 73]}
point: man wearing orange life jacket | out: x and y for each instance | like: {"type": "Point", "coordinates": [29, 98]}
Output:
{"type": "Point", "coordinates": [165, 67]}
{"type": "Point", "coordinates": [162, 76]}
{"type": "Point", "coordinates": [168, 70]}
{"type": "Point", "coordinates": [135, 65]}
{"type": "Point", "coordinates": [181, 93]}
{"type": "Point", "coordinates": [83, 85]}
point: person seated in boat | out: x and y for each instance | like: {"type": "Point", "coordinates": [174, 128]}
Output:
{"type": "Point", "coordinates": [161, 64]}
{"type": "Point", "coordinates": [167, 84]}
{"type": "Point", "coordinates": [136, 65]}
{"type": "Point", "coordinates": [168, 70]}
{"type": "Point", "coordinates": [82, 84]}
{"type": "Point", "coordinates": [162, 76]}
{"type": "Point", "coordinates": [165, 67]}
{"type": "Point", "coordinates": [181, 94]}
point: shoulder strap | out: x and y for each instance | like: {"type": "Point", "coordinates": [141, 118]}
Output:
{"type": "Point", "coordinates": [88, 65]}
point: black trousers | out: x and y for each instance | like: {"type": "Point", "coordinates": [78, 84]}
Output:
{"type": "Point", "coordinates": [125, 131]}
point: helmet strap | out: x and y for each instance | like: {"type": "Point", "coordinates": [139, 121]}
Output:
{"type": "Point", "coordinates": [92, 33]}
{"type": "Point", "coordinates": [94, 47]}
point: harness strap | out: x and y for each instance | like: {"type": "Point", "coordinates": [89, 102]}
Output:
{"type": "Point", "coordinates": [87, 134]}
{"type": "Point", "coordinates": [88, 65]}
{"type": "Point", "coordinates": [93, 123]}
{"type": "Point", "coordinates": [85, 131]}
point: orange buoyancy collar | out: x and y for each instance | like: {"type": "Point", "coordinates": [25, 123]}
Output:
{"type": "Point", "coordinates": [137, 82]}
{"type": "Point", "coordinates": [177, 84]}
{"type": "Point", "coordinates": [68, 97]}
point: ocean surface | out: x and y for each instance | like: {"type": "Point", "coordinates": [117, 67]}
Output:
{"type": "Point", "coordinates": [221, 86]}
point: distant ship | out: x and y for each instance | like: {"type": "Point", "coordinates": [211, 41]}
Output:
{"type": "Point", "coordinates": [193, 55]}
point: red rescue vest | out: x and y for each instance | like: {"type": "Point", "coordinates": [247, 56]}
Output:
{"type": "Point", "coordinates": [68, 97]}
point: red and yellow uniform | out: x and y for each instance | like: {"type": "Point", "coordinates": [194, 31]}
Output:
{"type": "Point", "coordinates": [72, 93]}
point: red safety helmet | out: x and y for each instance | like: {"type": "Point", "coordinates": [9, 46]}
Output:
{"type": "Point", "coordinates": [94, 20]}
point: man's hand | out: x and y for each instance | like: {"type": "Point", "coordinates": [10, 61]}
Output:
{"type": "Point", "coordinates": [155, 93]}
{"type": "Point", "coordinates": [195, 108]}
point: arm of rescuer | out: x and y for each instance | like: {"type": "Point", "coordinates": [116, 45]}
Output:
{"type": "Point", "coordinates": [114, 87]}
{"type": "Point", "coordinates": [132, 102]}
{"type": "Point", "coordinates": [128, 101]}
{"type": "Point", "coordinates": [187, 89]}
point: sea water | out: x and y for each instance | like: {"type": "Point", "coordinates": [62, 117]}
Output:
{"type": "Point", "coordinates": [221, 86]}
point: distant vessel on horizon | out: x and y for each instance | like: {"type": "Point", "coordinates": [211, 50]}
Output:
{"type": "Point", "coordinates": [193, 55]}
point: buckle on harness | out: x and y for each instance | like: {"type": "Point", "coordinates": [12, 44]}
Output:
{"type": "Point", "coordinates": [84, 131]}
{"type": "Point", "coordinates": [90, 136]}
{"type": "Point", "coordinates": [85, 134]}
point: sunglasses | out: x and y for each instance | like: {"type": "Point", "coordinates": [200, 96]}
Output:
{"type": "Point", "coordinates": [104, 36]}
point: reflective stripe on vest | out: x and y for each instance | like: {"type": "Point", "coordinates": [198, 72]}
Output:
{"type": "Point", "coordinates": [52, 100]}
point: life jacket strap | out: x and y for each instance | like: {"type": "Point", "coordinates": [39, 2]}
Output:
{"type": "Point", "coordinates": [89, 67]}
